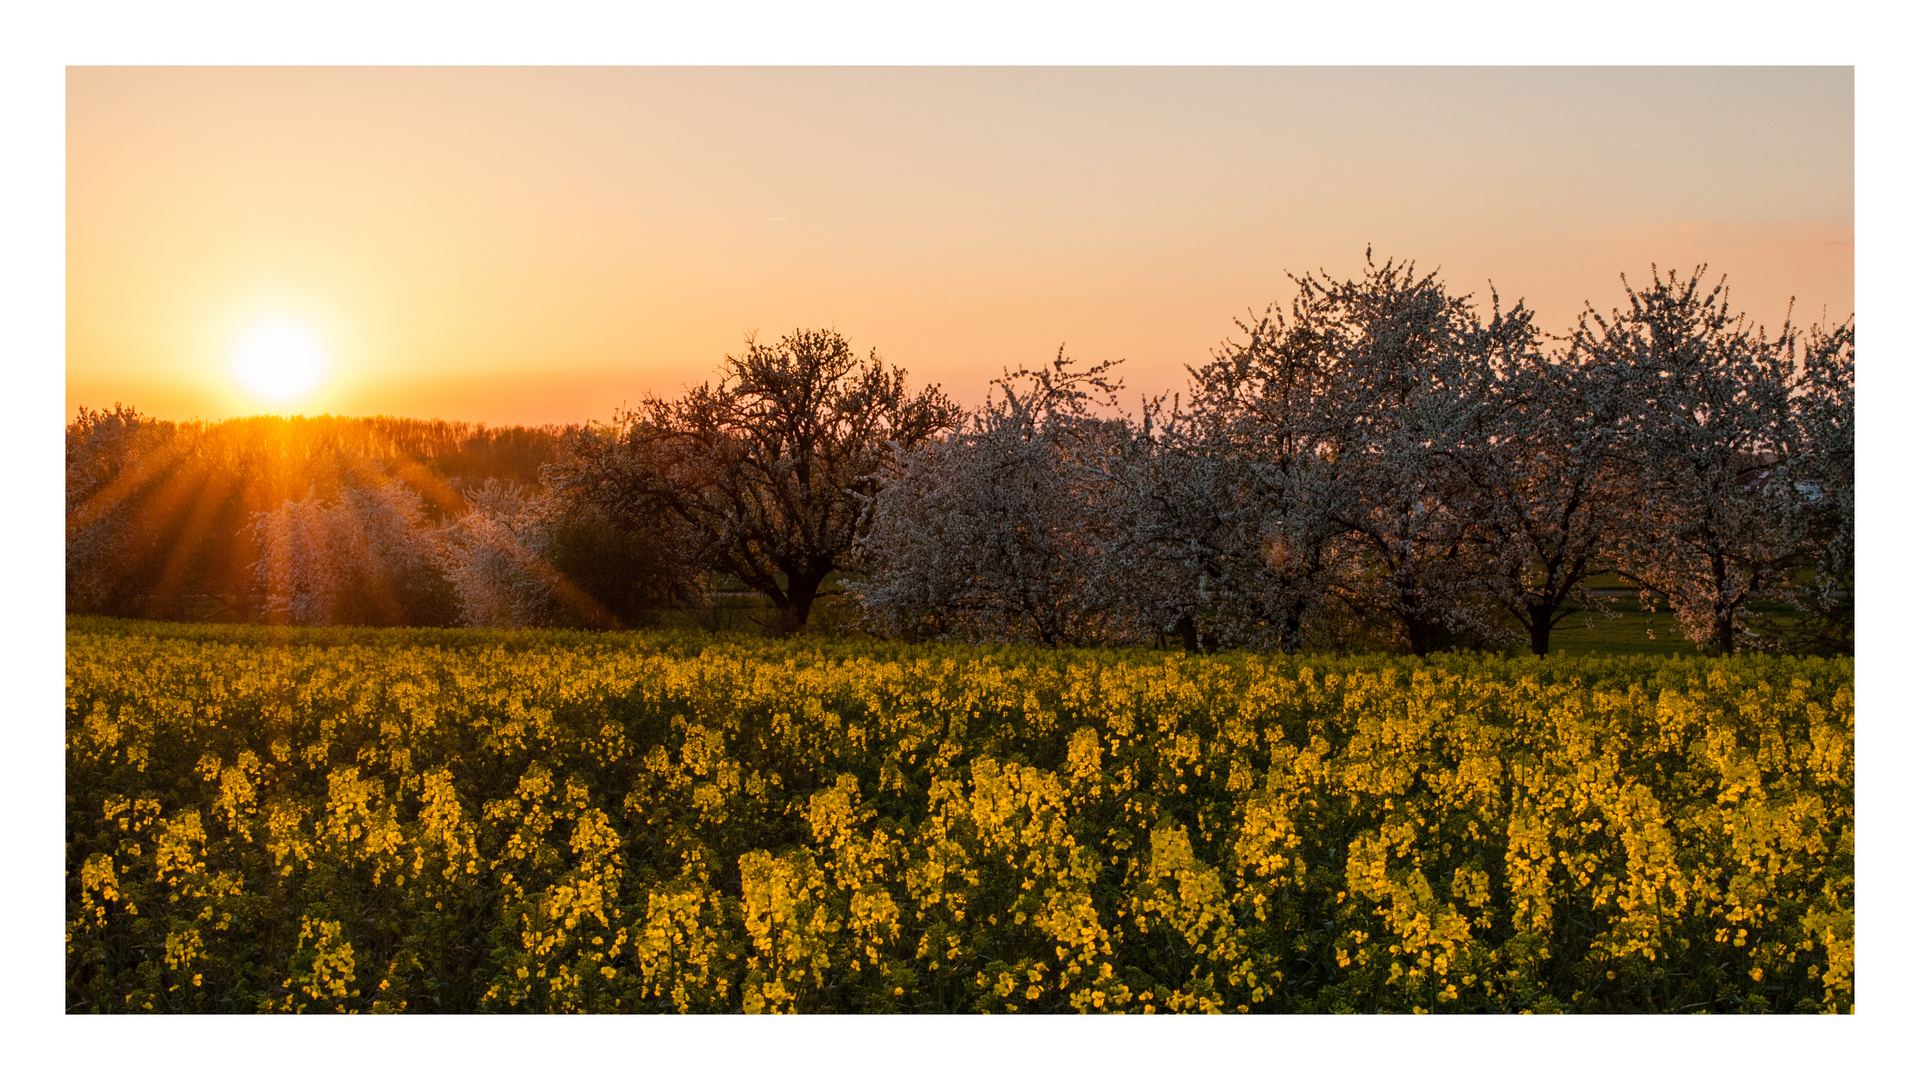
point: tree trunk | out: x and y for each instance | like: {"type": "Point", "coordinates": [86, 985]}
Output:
{"type": "Point", "coordinates": [1540, 626]}
{"type": "Point", "coordinates": [1290, 630]}
{"type": "Point", "coordinates": [802, 589]}
{"type": "Point", "coordinates": [1189, 636]}
{"type": "Point", "coordinates": [1420, 634]}
{"type": "Point", "coordinates": [1722, 611]}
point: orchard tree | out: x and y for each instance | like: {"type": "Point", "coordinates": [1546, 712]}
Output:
{"type": "Point", "coordinates": [366, 556]}
{"type": "Point", "coordinates": [1815, 467]}
{"type": "Point", "coordinates": [112, 456]}
{"type": "Point", "coordinates": [995, 532]}
{"type": "Point", "coordinates": [769, 473]}
{"type": "Point", "coordinates": [1823, 416]}
{"type": "Point", "coordinates": [1543, 461]}
{"type": "Point", "coordinates": [1719, 515]}
{"type": "Point", "coordinates": [622, 574]}
{"type": "Point", "coordinates": [494, 558]}
{"type": "Point", "coordinates": [1408, 369]}
{"type": "Point", "coordinates": [1228, 498]}
{"type": "Point", "coordinates": [520, 557]}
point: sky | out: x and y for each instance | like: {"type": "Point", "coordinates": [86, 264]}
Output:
{"type": "Point", "coordinates": [542, 245]}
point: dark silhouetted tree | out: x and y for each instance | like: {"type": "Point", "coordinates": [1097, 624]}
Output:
{"type": "Point", "coordinates": [770, 473]}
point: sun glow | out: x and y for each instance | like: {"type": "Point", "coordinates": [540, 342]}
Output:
{"type": "Point", "coordinates": [279, 360]}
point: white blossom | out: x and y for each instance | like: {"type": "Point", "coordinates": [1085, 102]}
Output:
{"type": "Point", "coordinates": [366, 555]}
{"type": "Point", "coordinates": [1720, 521]}
{"type": "Point", "coordinates": [995, 531]}
{"type": "Point", "coordinates": [495, 557]}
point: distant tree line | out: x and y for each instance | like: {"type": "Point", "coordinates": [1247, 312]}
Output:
{"type": "Point", "coordinates": [165, 520]}
{"type": "Point", "coordinates": [1376, 464]}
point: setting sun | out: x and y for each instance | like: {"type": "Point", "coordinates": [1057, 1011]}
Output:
{"type": "Point", "coordinates": [279, 360]}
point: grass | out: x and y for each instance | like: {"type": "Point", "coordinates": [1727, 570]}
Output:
{"type": "Point", "coordinates": [737, 619]}
{"type": "Point", "coordinates": [1632, 631]}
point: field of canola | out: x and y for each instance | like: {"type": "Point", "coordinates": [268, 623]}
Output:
{"type": "Point", "coordinates": [385, 821]}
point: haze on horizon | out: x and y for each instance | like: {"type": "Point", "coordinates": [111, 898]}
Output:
{"type": "Point", "coordinates": [538, 245]}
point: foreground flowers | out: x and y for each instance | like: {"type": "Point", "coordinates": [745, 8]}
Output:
{"type": "Point", "coordinates": [436, 821]}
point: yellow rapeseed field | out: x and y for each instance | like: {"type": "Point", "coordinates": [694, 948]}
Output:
{"type": "Point", "coordinates": [264, 820]}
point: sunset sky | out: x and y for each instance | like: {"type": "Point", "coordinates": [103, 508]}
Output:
{"type": "Point", "coordinates": [535, 245]}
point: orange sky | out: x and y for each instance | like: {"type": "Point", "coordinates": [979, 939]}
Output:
{"type": "Point", "coordinates": [537, 245]}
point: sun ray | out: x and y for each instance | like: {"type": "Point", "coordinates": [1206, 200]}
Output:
{"type": "Point", "coordinates": [592, 611]}
{"type": "Point", "coordinates": [127, 483]}
{"type": "Point", "coordinates": [215, 486]}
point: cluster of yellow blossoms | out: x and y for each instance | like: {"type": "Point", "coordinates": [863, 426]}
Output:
{"type": "Point", "coordinates": [476, 821]}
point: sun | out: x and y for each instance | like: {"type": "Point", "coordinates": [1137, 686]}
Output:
{"type": "Point", "coordinates": [279, 360]}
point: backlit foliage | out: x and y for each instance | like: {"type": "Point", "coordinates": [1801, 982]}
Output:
{"type": "Point", "coordinates": [277, 820]}
{"type": "Point", "coordinates": [164, 519]}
